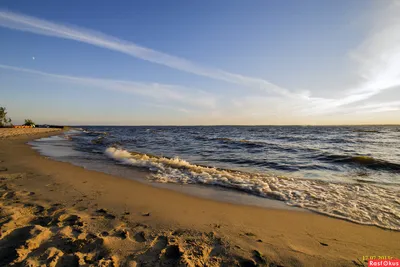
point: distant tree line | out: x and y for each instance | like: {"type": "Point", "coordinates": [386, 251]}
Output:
{"type": "Point", "coordinates": [5, 121]}
{"type": "Point", "coordinates": [29, 122]}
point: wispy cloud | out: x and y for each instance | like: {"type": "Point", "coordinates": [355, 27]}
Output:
{"type": "Point", "coordinates": [378, 60]}
{"type": "Point", "coordinates": [167, 94]}
{"type": "Point", "coordinates": [179, 109]}
{"type": "Point", "coordinates": [373, 108]}
{"type": "Point", "coordinates": [44, 27]}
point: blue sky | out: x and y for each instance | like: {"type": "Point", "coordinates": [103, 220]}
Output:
{"type": "Point", "coordinates": [208, 62]}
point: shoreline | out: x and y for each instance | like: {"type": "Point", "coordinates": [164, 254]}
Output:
{"type": "Point", "coordinates": [245, 233]}
{"type": "Point", "coordinates": [219, 194]}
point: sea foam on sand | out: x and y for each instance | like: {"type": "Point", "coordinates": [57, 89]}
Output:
{"type": "Point", "coordinates": [360, 203]}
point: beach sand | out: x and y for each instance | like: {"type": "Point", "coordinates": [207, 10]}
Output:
{"type": "Point", "coordinates": [56, 214]}
{"type": "Point", "coordinates": [15, 132]}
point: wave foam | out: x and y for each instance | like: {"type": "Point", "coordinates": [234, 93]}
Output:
{"type": "Point", "coordinates": [361, 203]}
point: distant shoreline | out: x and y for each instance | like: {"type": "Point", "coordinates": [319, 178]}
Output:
{"type": "Point", "coordinates": [15, 132]}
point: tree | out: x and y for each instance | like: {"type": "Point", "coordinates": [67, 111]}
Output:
{"type": "Point", "coordinates": [4, 120]}
{"type": "Point", "coordinates": [29, 122]}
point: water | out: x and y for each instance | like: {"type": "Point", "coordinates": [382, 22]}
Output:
{"type": "Point", "coordinates": [349, 172]}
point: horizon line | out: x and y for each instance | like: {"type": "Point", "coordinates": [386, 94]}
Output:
{"type": "Point", "coordinates": [236, 125]}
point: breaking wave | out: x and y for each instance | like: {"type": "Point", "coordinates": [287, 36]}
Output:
{"type": "Point", "coordinates": [365, 161]}
{"type": "Point", "coordinates": [361, 203]}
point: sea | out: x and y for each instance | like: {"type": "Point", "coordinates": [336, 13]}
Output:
{"type": "Point", "coordinates": [347, 172]}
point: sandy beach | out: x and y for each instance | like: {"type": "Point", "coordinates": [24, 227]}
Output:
{"type": "Point", "coordinates": [56, 214]}
{"type": "Point", "coordinates": [18, 132]}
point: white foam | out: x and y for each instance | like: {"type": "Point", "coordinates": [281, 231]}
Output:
{"type": "Point", "coordinates": [360, 203]}
{"type": "Point", "coordinates": [50, 138]}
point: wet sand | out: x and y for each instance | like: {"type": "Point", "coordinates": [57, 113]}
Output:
{"type": "Point", "coordinates": [57, 214]}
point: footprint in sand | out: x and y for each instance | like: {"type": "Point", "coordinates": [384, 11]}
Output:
{"type": "Point", "coordinates": [68, 260]}
{"type": "Point", "coordinates": [259, 258]}
{"type": "Point", "coordinates": [18, 244]}
{"type": "Point", "coordinates": [9, 195]}
{"type": "Point", "coordinates": [104, 234]}
{"type": "Point", "coordinates": [153, 255]}
{"type": "Point", "coordinates": [42, 221]}
{"type": "Point", "coordinates": [173, 252]}
{"type": "Point", "coordinates": [140, 237]}
{"type": "Point", "coordinates": [10, 243]}
{"type": "Point", "coordinates": [70, 220]}
{"type": "Point", "coordinates": [159, 244]}
{"type": "Point", "coordinates": [105, 214]}
{"type": "Point", "coordinates": [122, 233]}
{"type": "Point", "coordinates": [35, 208]}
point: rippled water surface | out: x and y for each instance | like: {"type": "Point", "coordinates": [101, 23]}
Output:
{"type": "Point", "coordinates": [336, 153]}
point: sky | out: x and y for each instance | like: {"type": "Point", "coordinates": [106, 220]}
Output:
{"type": "Point", "coordinates": [276, 62]}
